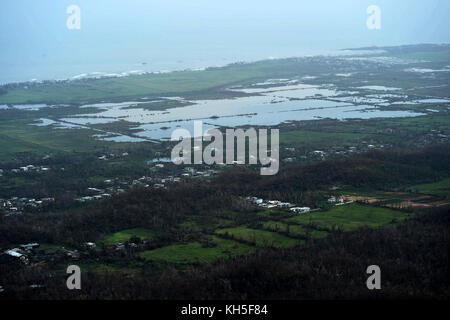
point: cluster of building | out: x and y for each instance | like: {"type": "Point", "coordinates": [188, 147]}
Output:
{"type": "Point", "coordinates": [21, 253]}
{"type": "Point", "coordinates": [95, 194]}
{"type": "Point", "coordinates": [115, 186]}
{"type": "Point", "coordinates": [191, 172]}
{"type": "Point", "coordinates": [27, 254]}
{"type": "Point", "coordinates": [276, 204]}
{"type": "Point", "coordinates": [155, 182]}
{"type": "Point", "coordinates": [334, 199]}
{"type": "Point", "coordinates": [31, 168]}
{"type": "Point", "coordinates": [111, 156]}
{"type": "Point", "coordinates": [338, 201]}
{"type": "Point", "coordinates": [16, 205]}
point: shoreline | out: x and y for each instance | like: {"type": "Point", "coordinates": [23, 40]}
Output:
{"type": "Point", "coordinates": [95, 75]}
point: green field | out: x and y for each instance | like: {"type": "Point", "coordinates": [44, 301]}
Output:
{"type": "Point", "coordinates": [350, 217]}
{"type": "Point", "coordinates": [441, 188]}
{"type": "Point", "coordinates": [260, 237]}
{"type": "Point", "coordinates": [296, 230]}
{"type": "Point", "coordinates": [193, 252]}
{"type": "Point", "coordinates": [125, 235]}
{"type": "Point", "coordinates": [19, 136]}
{"type": "Point", "coordinates": [320, 137]}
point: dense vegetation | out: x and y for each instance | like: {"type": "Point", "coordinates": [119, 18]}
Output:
{"type": "Point", "coordinates": [413, 258]}
{"type": "Point", "coordinates": [164, 209]}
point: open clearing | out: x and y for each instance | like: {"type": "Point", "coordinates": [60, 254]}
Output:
{"type": "Point", "coordinates": [194, 252]}
{"type": "Point", "coordinates": [350, 217]}
{"type": "Point", "coordinates": [125, 235]}
{"type": "Point", "coordinates": [260, 237]}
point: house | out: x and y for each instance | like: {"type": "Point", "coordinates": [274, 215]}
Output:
{"type": "Point", "coordinates": [335, 200]}
{"type": "Point", "coordinates": [14, 253]}
{"type": "Point", "coordinates": [30, 246]}
{"type": "Point", "coordinates": [75, 255]}
{"type": "Point", "coordinates": [300, 209]}
{"type": "Point", "coordinates": [257, 201]}
{"type": "Point", "coordinates": [284, 205]}
{"type": "Point", "coordinates": [119, 246]}
{"type": "Point", "coordinates": [95, 190]}
{"type": "Point", "coordinates": [90, 245]}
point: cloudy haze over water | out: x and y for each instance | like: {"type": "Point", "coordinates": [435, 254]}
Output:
{"type": "Point", "coordinates": [138, 35]}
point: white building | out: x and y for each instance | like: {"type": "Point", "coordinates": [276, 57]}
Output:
{"type": "Point", "coordinates": [301, 209]}
{"type": "Point", "coordinates": [258, 201]}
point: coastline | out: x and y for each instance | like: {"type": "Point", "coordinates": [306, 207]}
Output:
{"type": "Point", "coordinates": [134, 69]}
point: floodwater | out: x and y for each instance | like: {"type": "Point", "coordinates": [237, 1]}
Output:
{"type": "Point", "coordinates": [272, 102]}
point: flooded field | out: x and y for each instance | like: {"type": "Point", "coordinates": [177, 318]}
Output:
{"type": "Point", "coordinates": [271, 103]}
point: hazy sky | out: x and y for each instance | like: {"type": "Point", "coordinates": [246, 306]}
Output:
{"type": "Point", "coordinates": [34, 32]}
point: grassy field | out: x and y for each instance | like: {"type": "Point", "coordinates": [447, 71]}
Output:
{"type": "Point", "coordinates": [441, 188]}
{"type": "Point", "coordinates": [150, 84]}
{"type": "Point", "coordinates": [193, 252]}
{"type": "Point", "coordinates": [315, 137]}
{"type": "Point", "coordinates": [401, 132]}
{"type": "Point", "coordinates": [423, 124]}
{"type": "Point", "coordinates": [349, 217]}
{"type": "Point", "coordinates": [19, 136]}
{"type": "Point", "coordinates": [125, 235]}
{"type": "Point", "coordinates": [352, 216]}
{"type": "Point", "coordinates": [297, 230]}
{"type": "Point", "coordinates": [260, 237]}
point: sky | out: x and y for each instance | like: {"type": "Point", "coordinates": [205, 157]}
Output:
{"type": "Point", "coordinates": [171, 34]}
